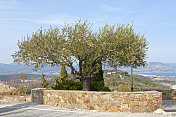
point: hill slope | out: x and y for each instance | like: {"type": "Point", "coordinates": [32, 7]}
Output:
{"type": "Point", "coordinates": [6, 88]}
{"type": "Point", "coordinates": [119, 80]}
{"type": "Point", "coordinates": [16, 69]}
{"type": "Point", "coordinates": [154, 67]}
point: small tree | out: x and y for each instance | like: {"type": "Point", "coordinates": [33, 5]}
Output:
{"type": "Point", "coordinates": [43, 81]}
{"type": "Point", "coordinates": [97, 84]}
{"type": "Point", "coordinates": [76, 43]}
{"type": "Point", "coordinates": [63, 72]}
{"type": "Point", "coordinates": [66, 82]}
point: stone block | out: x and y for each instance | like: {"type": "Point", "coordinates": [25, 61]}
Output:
{"type": "Point", "coordinates": [143, 104]}
{"type": "Point", "coordinates": [113, 109]}
{"type": "Point", "coordinates": [151, 102]}
{"type": "Point", "coordinates": [128, 99]}
{"type": "Point", "coordinates": [134, 104]}
{"type": "Point", "coordinates": [125, 110]}
{"type": "Point", "coordinates": [124, 106]}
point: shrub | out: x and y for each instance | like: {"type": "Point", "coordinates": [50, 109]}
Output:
{"type": "Point", "coordinates": [66, 84]}
{"type": "Point", "coordinates": [97, 84]}
{"type": "Point", "coordinates": [123, 89]}
{"type": "Point", "coordinates": [23, 90]}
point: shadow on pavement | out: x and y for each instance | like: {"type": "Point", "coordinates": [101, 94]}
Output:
{"type": "Point", "coordinates": [169, 105]}
{"type": "Point", "coordinates": [170, 110]}
{"type": "Point", "coordinates": [12, 107]}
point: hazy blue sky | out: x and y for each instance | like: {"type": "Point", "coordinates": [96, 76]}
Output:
{"type": "Point", "coordinates": [156, 17]}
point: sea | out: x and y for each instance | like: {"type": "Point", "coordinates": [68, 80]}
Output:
{"type": "Point", "coordinates": [158, 74]}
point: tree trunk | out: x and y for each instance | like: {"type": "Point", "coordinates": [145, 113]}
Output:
{"type": "Point", "coordinates": [86, 84]}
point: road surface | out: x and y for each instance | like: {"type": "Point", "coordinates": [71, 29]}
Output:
{"type": "Point", "coordinates": [29, 109]}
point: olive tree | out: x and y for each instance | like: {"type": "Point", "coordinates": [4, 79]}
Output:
{"type": "Point", "coordinates": [115, 45]}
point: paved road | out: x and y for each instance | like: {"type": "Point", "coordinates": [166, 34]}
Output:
{"type": "Point", "coordinates": [29, 109]}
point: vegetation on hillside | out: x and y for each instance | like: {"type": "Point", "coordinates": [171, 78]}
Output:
{"type": "Point", "coordinates": [9, 77]}
{"type": "Point", "coordinates": [121, 81]}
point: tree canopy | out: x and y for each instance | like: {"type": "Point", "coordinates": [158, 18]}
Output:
{"type": "Point", "coordinates": [115, 45]}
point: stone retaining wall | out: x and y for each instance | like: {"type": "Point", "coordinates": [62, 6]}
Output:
{"type": "Point", "coordinates": [173, 94]}
{"type": "Point", "coordinates": [148, 101]}
{"type": "Point", "coordinates": [166, 94]}
{"type": "Point", "coordinates": [14, 98]}
{"type": "Point", "coordinates": [169, 94]}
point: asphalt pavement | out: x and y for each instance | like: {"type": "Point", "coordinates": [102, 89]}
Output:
{"type": "Point", "coordinates": [29, 109]}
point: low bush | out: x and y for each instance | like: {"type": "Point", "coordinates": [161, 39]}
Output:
{"type": "Point", "coordinates": [123, 89]}
{"type": "Point", "coordinates": [98, 86]}
{"type": "Point", "coordinates": [66, 84]}
{"type": "Point", "coordinates": [23, 90]}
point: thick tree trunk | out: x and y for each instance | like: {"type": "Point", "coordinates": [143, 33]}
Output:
{"type": "Point", "coordinates": [86, 84]}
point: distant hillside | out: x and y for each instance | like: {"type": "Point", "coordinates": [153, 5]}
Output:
{"type": "Point", "coordinates": [154, 67]}
{"type": "Point", "coordinates": [121, 81]}
{"type": "Point", "coordinates": [16, 69]}
{"type": "Point", "coordinates": [8, 77]}
{"type": "Point", "coordinates": [6, 88]}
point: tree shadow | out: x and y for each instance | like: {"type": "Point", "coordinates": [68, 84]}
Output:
{"type": "Point", "coordinates": [169, 105]}
{"type": "Point", "coordinates": [4, 110]}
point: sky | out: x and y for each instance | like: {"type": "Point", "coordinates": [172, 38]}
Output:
{"type": "Point", "coordinates": [155, 18]}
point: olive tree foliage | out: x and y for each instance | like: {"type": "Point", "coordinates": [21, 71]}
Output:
{"type": "Point", "coordinates": [115, 45]}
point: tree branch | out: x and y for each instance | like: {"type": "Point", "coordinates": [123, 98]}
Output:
{"type": "Point", "coordinates": [74, 72]}
{"type": "Point", "coordinates": [94, 62]}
